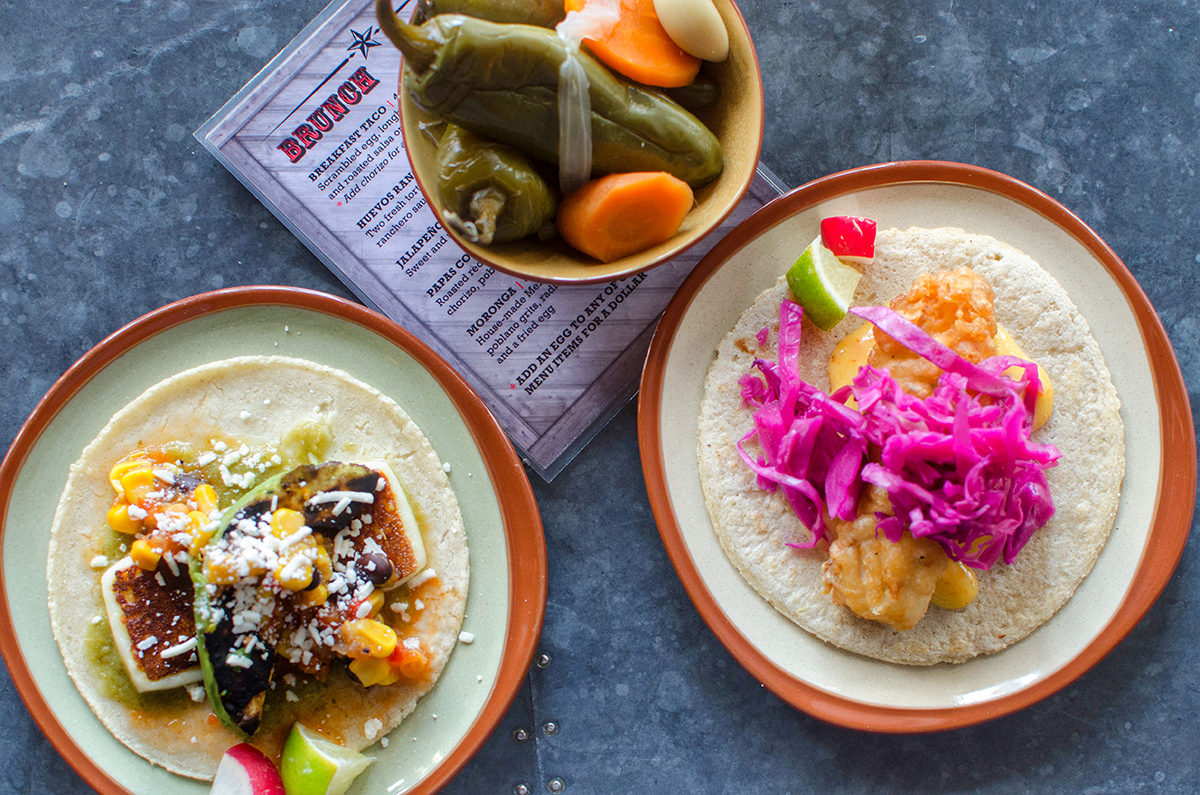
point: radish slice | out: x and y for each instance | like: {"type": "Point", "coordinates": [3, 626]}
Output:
{"type": "Point", "coordinates": [849, 238]}
{"type": "Point", "coordinates": [245, 770]}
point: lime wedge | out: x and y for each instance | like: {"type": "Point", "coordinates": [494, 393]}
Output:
{"type": "Point", "coordinates": [312, 765]}
{"type": "Point", "coordinates": [823, 285]}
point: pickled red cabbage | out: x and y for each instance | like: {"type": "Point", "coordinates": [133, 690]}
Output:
{"type": "Point", "coordinates": [959, 466]}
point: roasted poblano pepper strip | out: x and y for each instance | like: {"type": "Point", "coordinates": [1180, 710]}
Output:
{"type": "Point", "coordinates": [492, 193]}
{"type": "Point", "coordinates": [543, 13]}
{"type": "Point", "coordinates": [501, 82]}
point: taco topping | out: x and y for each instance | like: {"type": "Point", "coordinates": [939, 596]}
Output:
{"type": "Point", "coordinates": [925, 456]}
{"type": "Point", "coordinates": [291, 577]}
{"type": "Point", "coordinates": [296, 578]}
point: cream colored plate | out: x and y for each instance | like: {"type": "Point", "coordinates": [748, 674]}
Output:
{"type": "Point", "coordinates": [506, 601]}
{"type": "Point", "coordinates": [858, 691]}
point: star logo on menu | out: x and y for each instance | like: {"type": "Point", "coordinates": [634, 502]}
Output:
{"type": "Point", "coordinates": [364, 41]}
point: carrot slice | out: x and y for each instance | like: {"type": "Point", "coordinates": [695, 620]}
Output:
{"type": "Point", "coordinates": [622, 214]}
{"type": "Point", "coordinates": [640, 49]}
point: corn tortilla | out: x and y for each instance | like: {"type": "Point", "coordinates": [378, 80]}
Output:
{"type": "Point", "coordinates": [256, 399]}
{"type": "Point", "coordinates": [754, 526]}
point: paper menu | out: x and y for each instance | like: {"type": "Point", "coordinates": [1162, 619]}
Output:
{"type": "Point", "coordinates": [316, 136]}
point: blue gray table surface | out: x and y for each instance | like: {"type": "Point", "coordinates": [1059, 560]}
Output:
{"type": "Point", "coordinates": [109, 209]}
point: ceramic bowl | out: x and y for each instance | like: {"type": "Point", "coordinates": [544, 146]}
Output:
{"type": "Point", "coordinates": [736, 120]}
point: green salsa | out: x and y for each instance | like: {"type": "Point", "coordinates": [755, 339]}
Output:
{"type": "Point", "coordinates": [114, 681]}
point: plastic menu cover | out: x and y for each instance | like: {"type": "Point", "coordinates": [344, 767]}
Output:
{"type": "Point", "coordinates": [316, 137]}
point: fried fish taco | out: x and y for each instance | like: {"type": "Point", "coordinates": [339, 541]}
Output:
{"type": "Point", "coordinates": [867, 569]}
{"type": "Point", "coordinates": [254, 543]}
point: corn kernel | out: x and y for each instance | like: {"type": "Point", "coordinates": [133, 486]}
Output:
{"type": "Point", "coordinates": [221, 570]}
{"type": "Point", "coordinates": [317, 596]}
{"type": "Point", "coordinates": [376, 599]}
{"type": "Point", "coordinates": [137, 484]}
{"type": "Point", "coordinates": [127, 465]}
{"type": "Point", "coordinates": [323, 563]}
{"type": "Point", "coordinates": [285, 521]}
{"type": "Point", "coordinates": [205, 497]}
{"type": "Point", "coordinates": [120, 520]}
{"type": "Point", "coordinates": [145, 555]}
{"type": "Point", "coordinates": [295, 576]}
{"type": "Point", "coordinates": [367, 637]}
{"type": "Point", "coordinates": [202, 530]}
{"type": "Point", "coordinates": [176, 507]}
{"type": "Point", "coordinates": [373, 671]}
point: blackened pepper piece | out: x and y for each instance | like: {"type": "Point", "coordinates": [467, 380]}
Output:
{"type": "Point", "coordinates": [241, 689]}
{"type": "Point", "coordinates": [501, 82]}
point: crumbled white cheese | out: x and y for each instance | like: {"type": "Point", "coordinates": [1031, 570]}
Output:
{"type": "Point", "coordinates": [175, 651]}
{"type": "Point", "coordinates": [479, 679]}
{"type": "Point", "coordinates": [235, 660]}
{"type": "Point", "coordinates": [339, 496]}
{"type": "Point", "coordinates": [97, 619]}
{"type": "Point", "coordinates": [371, 728]}
{"type": "Point", "coordinates": [206, 458]}
{"type": "Point", "coordinates": [158, 578]}
{"type": "Point", "coordinates": [100, 562]}
{"type": "Point", "coordinates": [290, 696]}
{"type": "Point", "coordinates": [220, 447]}
{"type": "Point", "coordinates": [466, 637]}
{"type": "Point", "coordinates": [446, 466]}
{"type": "Point", "coordinates": [137, 513]}
{"type": "Point", "coordinates": [383, 742]}
{"type": "Point", "coordinates": [412, 643]}
{"type": "Point", "coordinates": [166, 476]}
{"type": "Point", "coordinates": [245, 415]}
{"type": "Point", "coordinates": [147, 643]}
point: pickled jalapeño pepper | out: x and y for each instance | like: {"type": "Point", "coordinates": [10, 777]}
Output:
{"type": "Point", "coordinates": [500, 81]}
{"type": "Point", "coordinates": [491, 192]}
{"type": "Point", "coordinates": [543, 13]}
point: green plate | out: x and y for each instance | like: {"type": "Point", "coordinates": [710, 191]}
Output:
{"type": "Point", "coordinates": [506, 603]}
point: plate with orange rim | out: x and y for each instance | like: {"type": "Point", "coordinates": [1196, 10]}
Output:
{"type": "Point", "coordinates": [506, 601]}
{"type": "Point", "coordinates": [1157, 498]}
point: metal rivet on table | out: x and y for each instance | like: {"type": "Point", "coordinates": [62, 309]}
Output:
{"type": "Point", "coordinates": [551, 728]}
{"type": "Point", "coordinates": [556, 785]}
{"type": "Point", "coordinates": [543, 660]}
{"type": "Point", "coordinates": [521, 789]}
{"type": "Point", "coordinates": [520, 735]}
